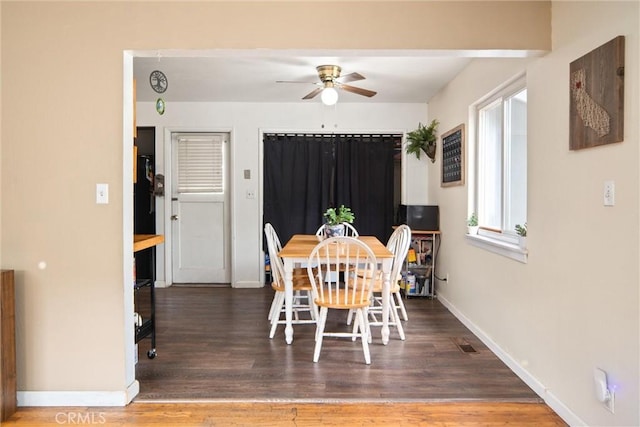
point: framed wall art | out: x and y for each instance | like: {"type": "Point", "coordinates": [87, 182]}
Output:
{"type": "Point", "coordinates": [453, 157]}
{"type": "Point", "coordinates": [596, 86]}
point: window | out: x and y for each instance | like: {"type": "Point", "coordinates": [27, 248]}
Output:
{"type": "Point", "coordinates": [200, 164]}
{"type": "Point", "coordinates": [500, 193]}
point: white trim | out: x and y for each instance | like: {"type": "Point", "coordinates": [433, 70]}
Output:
{"type": "Point", "coordinates": [510, 87]}
{"type": "Point", "coordinates": [499, 247]}
{"type": "Point", "coordinates": [248, 284]}
{"type": "Point", "coordinates": [78, 398]}
{"type": "Point", "coordinates": [506, 89]}
{"type": "Point", "coordinates": [161, 284]}
{"type": "Point", "coordinates": [563, 412]}
{"type": "Point", "coordinates": [133, 390]}
{"type": "Point", "coordinates": [127, 218]}
{"type": "Point", "coordinates": [167, 133]}
{"type": "Point", "coordinates": [549, 398]}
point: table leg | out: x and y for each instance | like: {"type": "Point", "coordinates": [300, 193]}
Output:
{"type": "Point", "coordinates": [386, 286]}
{"type": "Point", "coordinates": [288, 299]}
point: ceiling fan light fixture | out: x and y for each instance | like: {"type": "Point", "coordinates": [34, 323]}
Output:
{"type": "Point", "coordinates": [329, 96]}
{"type": "Point", "coordinates": [330, 80]}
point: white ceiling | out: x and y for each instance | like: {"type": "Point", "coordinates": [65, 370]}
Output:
{"type": "Point", "coordinates": [251, 75]}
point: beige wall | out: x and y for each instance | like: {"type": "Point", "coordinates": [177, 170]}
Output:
{"type": "Point", "coordinates": [575, 305]}
{"type": "Point", "coordinates": [62, 117]}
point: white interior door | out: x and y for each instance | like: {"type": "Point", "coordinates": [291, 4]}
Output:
{"type": "Point", "coordinates": [200, 208]}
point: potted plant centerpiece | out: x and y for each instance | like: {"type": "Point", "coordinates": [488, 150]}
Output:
{"type": "Point", "coordinates": [472, 224]}
{"type": "Point", "coordinates": [335, 217]}
{"type": "Point", "coordinates": [521, 230]}
{"type": "Point", "coordinates": [423, 139]}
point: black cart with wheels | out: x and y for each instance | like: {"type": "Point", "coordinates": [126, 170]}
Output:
{"type": "Point", "coordinates": [144, 292]}
{"type": "Point", "coordinates": [146, 327]}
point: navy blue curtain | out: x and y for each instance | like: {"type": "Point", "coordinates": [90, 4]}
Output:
{"type": "Point", "coordinates": [304, 174]}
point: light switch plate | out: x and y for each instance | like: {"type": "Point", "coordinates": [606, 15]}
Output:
{"type": "Point", "coordinates": [102, 194]}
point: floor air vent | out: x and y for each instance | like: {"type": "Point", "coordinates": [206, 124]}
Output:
{"type": "Point", "coordinates": [463, 345]}
{"type": "Point", "coordinates": [467, 348]}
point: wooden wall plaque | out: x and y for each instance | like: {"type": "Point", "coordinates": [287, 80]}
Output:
{"type": "Point", "coordinates": [596, 86]}
{"type": "Point", "coordinates": [453, 157]}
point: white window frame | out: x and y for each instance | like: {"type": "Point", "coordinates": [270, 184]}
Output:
{"type": "Point", "coordinates": [502, 242]}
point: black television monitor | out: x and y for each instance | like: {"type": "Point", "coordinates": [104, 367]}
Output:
{"type": "Point", "coordinates": [420, 217]}
{"type": "Point", "coordinates": [401, 215]}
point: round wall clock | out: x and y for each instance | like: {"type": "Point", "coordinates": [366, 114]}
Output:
{"type": "Point", "coordinates": [160, 106]}
{"type": "Point", "coordinates": [158, 81]}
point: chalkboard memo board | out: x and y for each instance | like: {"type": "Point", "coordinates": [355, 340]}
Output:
{"type": "Point", "coordinates": [453, 155]}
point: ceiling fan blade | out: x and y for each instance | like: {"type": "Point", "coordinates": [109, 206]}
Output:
{"type": "Point", "coordinates": [293, 81]}
{"type": "Point", "coordinates": [358, 90]}
{"type": "Point", "coordinates": [351, 77]}
{"type": "Point", "coordinates": [313, 93]}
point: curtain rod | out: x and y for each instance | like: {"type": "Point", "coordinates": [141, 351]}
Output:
{"type": "Point", "coordinates": [326, 135]}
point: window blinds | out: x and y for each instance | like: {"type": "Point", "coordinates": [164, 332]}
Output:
{"type": "Point", "coordinates": [201, 164]}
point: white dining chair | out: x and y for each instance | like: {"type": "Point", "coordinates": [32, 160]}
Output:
{"type": "Point", "coordinates": [302, 289]}
{"type": "Point", "coordinates": [349, 230]}
{"type": "Point", "coordinates": [398, 244]}
{"type": "Point", "coordinates": [337, 287]}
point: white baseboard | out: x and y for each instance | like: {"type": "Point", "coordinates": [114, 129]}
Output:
{"type": "Point", "coordinates": [79, 398]}
{"type": "Point", "coordinates": [133, 390]}
{"type": "Point", "coordinates": [248, 284]}
{"type": "Point", "coordinates": [161, 284]}
{"type": "Point", "coordinates": [551, 400]}
{"type": "Point", "coordinates": [563, 412]}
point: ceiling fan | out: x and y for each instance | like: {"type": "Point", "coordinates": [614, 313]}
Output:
{"type": "Point", "coordinates": [330, 79]}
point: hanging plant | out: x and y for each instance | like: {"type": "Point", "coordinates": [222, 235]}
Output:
{"type": "Point", "coordinates": [423, 139]}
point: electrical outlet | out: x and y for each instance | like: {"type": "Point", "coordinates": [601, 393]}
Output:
{"type": "Point", "coordinates": [446, 278]}
{"type": "Point", "coordinates": [609, 193]}
{"type": "Point", "coordinates": [604, 393]}
{"type": "Point", "coordinates": [610, 404]}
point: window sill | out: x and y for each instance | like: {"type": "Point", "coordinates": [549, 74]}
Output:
{"type": "Point", "coordinates": [499, 247]}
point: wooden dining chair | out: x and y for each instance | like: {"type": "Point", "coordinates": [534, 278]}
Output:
{"type": "Point", "coordinates": [331, 269]}
{"type": "Point", "coordinates": [302, 289]}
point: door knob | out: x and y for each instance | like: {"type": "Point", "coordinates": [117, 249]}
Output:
{"type": "Point", "coordinates": [174, 217]}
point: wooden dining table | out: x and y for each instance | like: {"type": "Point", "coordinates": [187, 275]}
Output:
{"type": "Point", "coordinates": [297, 251]}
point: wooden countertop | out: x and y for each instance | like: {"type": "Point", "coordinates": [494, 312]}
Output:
{"type": "Point", "coordinates": [417, 232]}
{"type": "Point", "coordinates": [144, 241]}
{"type": "Point", "coordinates": [420, 231]}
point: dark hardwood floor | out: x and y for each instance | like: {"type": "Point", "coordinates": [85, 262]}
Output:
{"type": "Point", "coordinates": [216, 366]}
{"type": "Point", "coordinates": [212, 343]}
